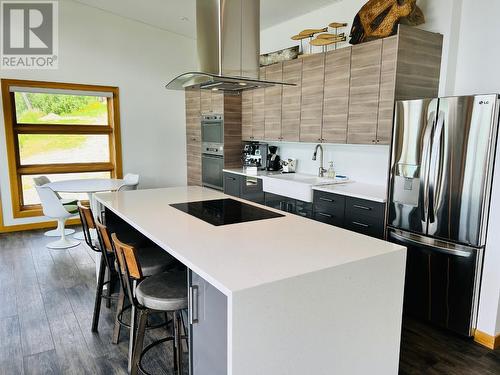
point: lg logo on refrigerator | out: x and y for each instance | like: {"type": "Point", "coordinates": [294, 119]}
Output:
{"type": "Point", "coordinates": [29, 34]}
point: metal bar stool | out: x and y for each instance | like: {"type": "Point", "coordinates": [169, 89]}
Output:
{"type": "Point", "coordinates": [166, 292]}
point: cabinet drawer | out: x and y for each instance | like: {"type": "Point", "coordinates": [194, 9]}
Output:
{"type": "Point", "coordinates": [329, 218]}
{"type": "Point", "coordinates": [366, 225]}
{"type": "Point", "coordinates": [329, 203]}
{"type": "Point", "coordinates": [355, 208]}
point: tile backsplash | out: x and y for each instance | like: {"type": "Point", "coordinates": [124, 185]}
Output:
{"type": "Point", "coordinates": [361, 163]}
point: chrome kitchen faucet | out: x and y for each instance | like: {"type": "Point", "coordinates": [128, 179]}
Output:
{"type": "Point", "coordinates": [321, 171]}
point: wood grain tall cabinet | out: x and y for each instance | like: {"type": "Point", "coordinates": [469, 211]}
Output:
{"type": "Point", "coordinates": [272, 105]}
{"type": "Point", "coordinates": [291, 101]}
{"type": "Point", "coordinates": [336, 96]}
{"type": "Point", "coordinates": [311, 111]}
{"type": "Point", "coordinates": [193, 136]}
{"type": "Point", "coordinates": [198, 103]}
{"type": "Point", "coordinates": [364, 92]}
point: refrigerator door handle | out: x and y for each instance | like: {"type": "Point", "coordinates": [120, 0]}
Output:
{"type": "Point", "coordinates": [435, 166]}
{"type": "Point", "coordinates": [424, 180]}
{"type": "Point", "coordinates": [413, 241]}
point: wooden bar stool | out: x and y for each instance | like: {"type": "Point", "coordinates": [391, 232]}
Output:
{"type": "Point", "coordinates": [106, 264]}
{"type": "Point", "coordinates": [166, 292]}
{"type": "Point", "coordinates": [152, 259]}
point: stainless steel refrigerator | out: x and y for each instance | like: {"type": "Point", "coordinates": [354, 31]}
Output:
{"type": "Point", "coordinates": [440, 180]}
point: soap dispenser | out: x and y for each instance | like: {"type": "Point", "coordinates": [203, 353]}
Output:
{"type": "Point", "coordinates": [331, 172]}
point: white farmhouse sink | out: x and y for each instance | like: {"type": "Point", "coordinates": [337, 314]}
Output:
{"type": "Point", "coordinates": [294, 185]}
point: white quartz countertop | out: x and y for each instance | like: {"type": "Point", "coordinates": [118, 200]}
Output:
{"type": "Point", "coordinates": [245, 255]}
{"type": "Point", "coordinates": [354, 189]}
{"type": "Point", "coordinates": [258, 174]}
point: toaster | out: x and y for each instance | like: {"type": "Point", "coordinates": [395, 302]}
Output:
{"type": "Point", "coordinates": [289, 165]}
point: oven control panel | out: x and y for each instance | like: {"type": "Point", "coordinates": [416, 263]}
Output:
{"type": "Point", "coordinates": [212, 148]}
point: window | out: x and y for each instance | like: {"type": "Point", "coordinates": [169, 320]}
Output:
{"type": "Point", "coordinates": [60, 130]}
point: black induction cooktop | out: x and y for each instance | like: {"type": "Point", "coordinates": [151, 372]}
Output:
{"type": "Point", "coordinates": [225, 211]}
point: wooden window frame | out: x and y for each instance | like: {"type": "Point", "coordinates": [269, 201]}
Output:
{"type": "Point", "coordinates": [12, 129]}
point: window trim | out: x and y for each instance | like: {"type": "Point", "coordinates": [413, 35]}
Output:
{"type": "Point", "coordinates": [12, 129]}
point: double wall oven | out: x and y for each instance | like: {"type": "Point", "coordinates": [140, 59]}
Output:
{"type": "Point", "coordinates": [212, 157]}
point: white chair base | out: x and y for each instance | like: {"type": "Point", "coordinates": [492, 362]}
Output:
{"type": "Point", "coordinates": [63, 243]}
{"type": "Point", "coordinates": [57, 232]}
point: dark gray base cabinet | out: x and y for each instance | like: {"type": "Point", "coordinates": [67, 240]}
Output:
{"type": "Point", "coordinates": [245, 187]}
{"type": "Point", "coordinates": [290, 205]}
{"type": "Point", "coordinates": [359, 215]}
{"type": "Point", "coordinates": [208, 327]}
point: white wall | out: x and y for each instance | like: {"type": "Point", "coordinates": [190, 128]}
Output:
{"type": "Point", "coordinates": [469, 65]}
{"type": "Point", "coordinates": [97, 47]}
{"type": "Point", "coordinates": [477, 72]}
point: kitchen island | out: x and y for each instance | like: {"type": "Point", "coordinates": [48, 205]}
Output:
{"type": "Point", "coordinates": [284, 295]}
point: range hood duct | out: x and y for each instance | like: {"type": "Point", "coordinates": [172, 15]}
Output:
{"type": "Point", "coordinates": [228, 40]}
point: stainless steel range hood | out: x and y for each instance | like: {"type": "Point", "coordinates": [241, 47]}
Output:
{"type": "Point", "coordinates": [228, 39]}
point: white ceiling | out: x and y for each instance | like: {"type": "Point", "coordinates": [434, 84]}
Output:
{"type": "Point", "coordinates": [169, 14]}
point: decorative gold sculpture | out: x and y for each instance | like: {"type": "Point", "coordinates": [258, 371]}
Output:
{"type": "Point", "coordinates": [380, 19]}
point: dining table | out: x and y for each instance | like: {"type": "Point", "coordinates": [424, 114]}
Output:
{"type": "Point", "coordinates": [90, 186]}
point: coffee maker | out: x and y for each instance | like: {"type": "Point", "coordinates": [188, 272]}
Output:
{"type": "Point", "coordinates": [255, 155]}
{"type": "Point", "coordinates": [273, 159]}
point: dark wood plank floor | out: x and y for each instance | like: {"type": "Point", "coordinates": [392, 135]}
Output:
{"type": "Point", "coordinates": [46, 302]}
{"type": "Point", "coordinates": [46, 305]}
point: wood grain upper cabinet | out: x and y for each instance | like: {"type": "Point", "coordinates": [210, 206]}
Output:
{"type": "Point", "coordinates": [212, 102]}
{"type": "Point", "coordinates": [246, 115]}
{"type": "Point", "coordinates": [336, 96]}
{"type": "Point", "coordinates": [193, 136]}
{"type": "Point", "coordinates": [364, 92]}
{"type": "Point", "coordinates": [387, 90]}
{"type": "Point", "coordinates": [272, 99]}
{"type": "Point", "coordinates": [311, 112]}
{"type": "Point", "coordinates": [291, 99]}
{"type": "Point", "coordinates": [258, 113]}
{"type": "Point", "coordinates": [218, 102]}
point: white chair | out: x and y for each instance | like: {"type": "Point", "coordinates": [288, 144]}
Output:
{"type": "Point", "coordinates": [42, 180]}
{"type": "Point", "coordinates": [53, 208]}
{"type": "Point", "coordinates": [131, 182]}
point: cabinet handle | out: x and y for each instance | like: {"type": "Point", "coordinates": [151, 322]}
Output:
{"type": "Point", "coordinates": [325, 215]}
{"type": "Point", "coordinates": [326, 199]}
{"type": "Point", "coordinates": [362, 207]}
{"type": "Point", "coordinates": [193, 304]}
{"type": "Point", "coordinates": [281, 206]}
{"type": "Point", "coordinates": [361, 224]}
